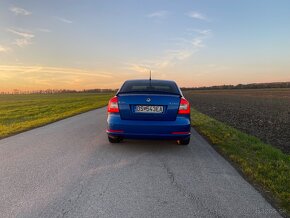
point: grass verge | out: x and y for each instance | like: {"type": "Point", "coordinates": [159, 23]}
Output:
{"type": "Point", "coordinates": [263, 165]}
{"type": "Point", "coordinates": [23, 112]}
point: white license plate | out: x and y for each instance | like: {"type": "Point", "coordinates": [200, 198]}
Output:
{"type": "Point", "coordinates": [148, 109]}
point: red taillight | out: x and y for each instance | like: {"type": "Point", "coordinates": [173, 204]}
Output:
{"type": "Point", "coordinates": [114, 131]}
{"type": "Point", "coordinates": [113, 105]}
{"type": "Point", "coordinates": [180, 133]}
{"type": "Point", "coordinates": [184, 107]}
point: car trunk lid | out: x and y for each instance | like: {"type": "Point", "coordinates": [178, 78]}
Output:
{"type": "Point", "coordinates": [130, 105]}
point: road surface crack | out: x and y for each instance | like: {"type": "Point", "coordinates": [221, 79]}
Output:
{"type": "Point", "coordinates": [193, 198]}
{"type": "Point", "coordinates": [72, 202]}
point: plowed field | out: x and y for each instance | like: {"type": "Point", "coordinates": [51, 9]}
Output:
{"type": "Point", "coordinates": [264, 113]}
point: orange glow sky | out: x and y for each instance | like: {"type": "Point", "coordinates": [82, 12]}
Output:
{"type": "Point", "coordinates": [86, 45]}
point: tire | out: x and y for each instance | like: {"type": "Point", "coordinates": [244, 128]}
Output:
{"type": "Point", "coordinates": [184, 141]}
{"type": "Point", "coordinates": [115, 139]}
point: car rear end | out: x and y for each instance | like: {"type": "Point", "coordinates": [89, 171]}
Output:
{"type": "Point", "coordinates": [149, 109]}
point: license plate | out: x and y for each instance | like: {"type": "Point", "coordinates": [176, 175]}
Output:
{"type": "Point", "coordinates": [148, 109]}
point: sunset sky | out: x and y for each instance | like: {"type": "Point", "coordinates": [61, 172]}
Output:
{"type": "Point", "coordinates": [76, 44]}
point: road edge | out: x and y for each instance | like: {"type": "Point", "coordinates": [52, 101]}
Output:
{"type": "Point", "coordinates": [265, 194]}
{"type": "Point", "coordinates": [55, 121]}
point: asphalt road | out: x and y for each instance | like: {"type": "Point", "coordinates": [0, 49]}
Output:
{"type": "Point", "coordinates": [68, 169]}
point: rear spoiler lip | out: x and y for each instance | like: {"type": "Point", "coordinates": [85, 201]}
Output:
{"type": "Point", "coordinates": [136, 93]}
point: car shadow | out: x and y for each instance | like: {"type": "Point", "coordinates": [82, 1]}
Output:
{"type": "Point", "coordinates": [152, 146]}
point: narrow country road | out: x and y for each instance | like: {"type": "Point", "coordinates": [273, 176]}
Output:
{"type": "Point", "coordinates": [68, 169]}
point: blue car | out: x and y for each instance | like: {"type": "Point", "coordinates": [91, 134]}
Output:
{"type": "Point", "coordinates": [149, 109]}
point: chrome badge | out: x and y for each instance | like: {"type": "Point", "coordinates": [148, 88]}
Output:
{"type": "Point", "coordinates": [148, 99]}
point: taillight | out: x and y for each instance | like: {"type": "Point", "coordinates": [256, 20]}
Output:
{"type": "Point", "coordinates": [113, 105]}
{"type": "Point", "coordinates": [184, 107]}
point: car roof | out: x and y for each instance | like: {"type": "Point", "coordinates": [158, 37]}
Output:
{"type": "Point", "coordinates": [152, 80]}
{"type": "Point", "coordinates": [147, 82]}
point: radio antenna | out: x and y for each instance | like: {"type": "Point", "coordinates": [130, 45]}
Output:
{"type": "Point", "coordinates": [150, 79]}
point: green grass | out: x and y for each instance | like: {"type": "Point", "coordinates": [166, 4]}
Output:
{"type": "Point", "coordinates": [264, 165]}
{"type": "Point", "coordinates": [22, 112]}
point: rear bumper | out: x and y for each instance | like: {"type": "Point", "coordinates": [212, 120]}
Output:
{"type": "Point", "coordinates": [178, 129]}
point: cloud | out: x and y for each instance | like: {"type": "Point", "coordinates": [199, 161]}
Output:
{"type": "Point", "coordinates": [158, 14]}
{"type": "Point", "coordinates": [181, 49]}
{"type": "Point", "coordinates": [53, 70]}
{"type": "Point", "coordinates": [140, 68]}
{"type": "Point", "coordinates": [64, 20]}
{"type": "Point", "coordinates": [20, 11]}
{"type": "Point", "coordinates": [4, 49]}
{"type": "Point", "coordinates": [26, 37]}
{"type": "Point", "coordinates": [41, 77]}
{"type": "Point", "coordinates": [197, 15]}
{"type": "Point", "coordinates": [205, 32]}
{"type": "Point", "coordinates": [22, 42]}
{"type": "Point", "coordinates": [44, 30]}
{"type": "Point", "coordinates": [197, 42]}
{"type": "Point", "coordinates": [178, 54]}
{"type": "Point", "coordinates": [185, 47]}
{"type": "Point", "coordinates": [22, 33]}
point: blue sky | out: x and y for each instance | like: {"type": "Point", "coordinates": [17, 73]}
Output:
{"type": "Point", "coordinates": [89, 44]}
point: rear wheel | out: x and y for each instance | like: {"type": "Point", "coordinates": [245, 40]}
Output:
{"type": "Point", "coordinates": [115, 139]}
{"type": "Point", "coordinates": [184, 141]}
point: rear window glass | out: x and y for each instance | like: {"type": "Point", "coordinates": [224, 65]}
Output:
{"type": "Point", "coordinates": [146, 86]}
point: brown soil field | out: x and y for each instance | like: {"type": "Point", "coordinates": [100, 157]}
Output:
{"type": "Point", "coordinates": [264, 113]}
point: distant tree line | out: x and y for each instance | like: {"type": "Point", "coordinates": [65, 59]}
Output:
{"type": "Point", "coordinates": [58, 91]}
{"type": "Point", "coordinates": [239, 86]}
{"type": "Point", "coordinates": [242, 86]}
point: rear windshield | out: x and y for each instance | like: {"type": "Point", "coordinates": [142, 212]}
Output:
{"type": "Point", "coordinates": [162, 87]}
